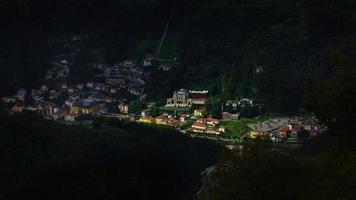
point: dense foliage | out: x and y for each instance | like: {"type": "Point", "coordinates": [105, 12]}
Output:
{"type": "Point", "coordinates": [324, 168]}
{"type": "Point", "coordinates": [218, 45]}
{"type": "Point", "coordinates": [46, 160]}
{"type": "Point", "coordinates": [319, 171]}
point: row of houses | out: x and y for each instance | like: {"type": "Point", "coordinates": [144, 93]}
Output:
{"type": "Point", "coordinates": [285, 128]}
{"type": "Point", "coordinates": [162, 120]}
{"type": "Point", "coordinates": [202, 125]}
{"type": "Point", "coordinates": [207, 125]}
{"type": "Point", "coordinates": [79, 99]}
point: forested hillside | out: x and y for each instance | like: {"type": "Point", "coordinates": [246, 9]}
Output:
{"type": "Point", "coordinates": [289, 54]}
{"type": "Point", "coordinates": [266, 49]}
{"type": "Point", "coordinates": [324, 168]}
{"type": "Point", "coordinates": [116, 160]}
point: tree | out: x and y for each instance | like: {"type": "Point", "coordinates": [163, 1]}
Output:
{"type": "Point", "coordinates": [28, 99]}
{"type": "Point", "coordinates": [213, 108]}
{"type": "Point", "coordinates": [155, 111]}
{"type": "Point", "coordinates": [333, 98]}
{"type": "Point", "coordinates": [136, 106]}
{"type": "Point", "coordinates": [63, 96]}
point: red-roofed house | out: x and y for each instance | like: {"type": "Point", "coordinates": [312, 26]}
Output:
{"type": "Point", "coordinates": [198, 97]}
{"type": "Point", "coordinates": [174, 122]}
{"type": "Point", "coordinates": [199, 127]}
{"type": "Point", "coordinates": [283, 131]}
{"type": "Point", "coordinates": [212, 121]}
{"type": "Point", "coordinates": [209, 121]}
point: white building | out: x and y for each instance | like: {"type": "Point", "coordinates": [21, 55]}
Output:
{"type": "Point", "coordinates": [180, 99]}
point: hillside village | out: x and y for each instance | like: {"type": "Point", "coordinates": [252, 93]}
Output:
{"type": "Point", "coordinates": [184, 111]}
{"type": "Point", "coordinates": [114, 90]}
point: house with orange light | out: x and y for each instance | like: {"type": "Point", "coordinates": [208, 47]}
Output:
{"type": "Point", "coordinates": [199, 112]}
{"type": "Point", "coordinates": [18, 107]}
{"type": "Point", "coordinates": [70, 117]}
{"type": "Point", "coordinates": [174, 122]}
{"type": "Point", "coordinates": [199, 127]}
{"type": "Point", "coordinates": [76, 108]}
{"type": "Point", "coordinates": [162, 120]}
{"type": "Point", "coordinates": [214, 131]}
{"type": "Point", "coordinates": [147, 120]}
{"type": "Point", "coordinates": [209, 121]}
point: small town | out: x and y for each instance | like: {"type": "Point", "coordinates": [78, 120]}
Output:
{"type": "Point", "coordinates": [178, 100]}
{"type": "Point", "coordinates": [118, 88]}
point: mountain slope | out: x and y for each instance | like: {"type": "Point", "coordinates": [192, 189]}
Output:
{"type": "Point", "coordinates": [43, 159]}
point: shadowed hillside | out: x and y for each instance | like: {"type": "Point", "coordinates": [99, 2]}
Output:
{"type": "Point", "coordinates": [46, 160]}
{"type": "Point", "coordinates": [265, 49]}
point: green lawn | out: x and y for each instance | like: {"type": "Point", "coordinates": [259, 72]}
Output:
{"type": "Point", "coordinates": [253, 120]}
{"type": "Point", "coordinates": [235, 128]}
{"type": "Point", "coordinates": [238, 128]}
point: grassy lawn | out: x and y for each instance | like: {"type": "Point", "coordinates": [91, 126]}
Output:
{"type": "Point", "coordinates": [238, 128]}
{"type": "Point", "coordinates": [235, 128]}
{"type": "Point", "coordinates": [253, 120]}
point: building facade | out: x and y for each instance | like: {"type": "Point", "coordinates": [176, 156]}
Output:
{"type": "Point", "coordinates": [180, 99]}
{"type": "Point", "coordinates": [184, 98]}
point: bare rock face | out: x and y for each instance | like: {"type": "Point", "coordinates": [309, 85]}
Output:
{"type": "Point", "coordinates": [209, 183]}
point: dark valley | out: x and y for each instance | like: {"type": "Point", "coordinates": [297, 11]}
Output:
{"type": "Point", "coordinates": [216, 99]}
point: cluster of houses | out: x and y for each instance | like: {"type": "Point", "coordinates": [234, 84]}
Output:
{"type": "Point", "coordinates": [127, 76]}
{"type": "Point", "coordinates": [207, 125]}
{"type": "Point", "coordinates": [197, 123]}
{"type": "Point", "coordinates": [164, 119]}
{"type": "Point", "coordinates": [111, 91]}
{"type": "Point", "coordinates": [59, 70]}
{"type": "Point", "coordinates": [282, 129]}
{"type": "Point", "coordinates": [114, 86]}
{"type": "Point", "coordinates": [66, 102]}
